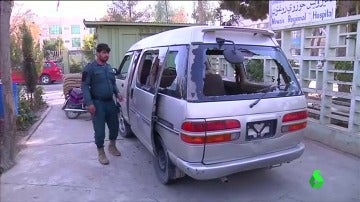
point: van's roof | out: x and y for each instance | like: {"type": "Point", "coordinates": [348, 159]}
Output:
{"type": "Point", "coordinates": [188, 35]}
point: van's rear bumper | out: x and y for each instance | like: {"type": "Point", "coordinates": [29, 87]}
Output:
{"type": "Point", "coordinates": [203, 172]}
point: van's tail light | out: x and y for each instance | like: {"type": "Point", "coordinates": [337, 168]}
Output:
{"type": "Point", "coordinates": [294, 121]}
{"type": "Point", "coordinates": [210, 131]}
{"type": "Point", "coordinates": [295, 116]}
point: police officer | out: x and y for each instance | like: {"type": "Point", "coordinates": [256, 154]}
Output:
{"type": "Point", "coordinates": [99, 87]}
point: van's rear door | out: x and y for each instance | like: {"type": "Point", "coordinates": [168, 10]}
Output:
{"type": "Point", "coordinates": [240, 132]}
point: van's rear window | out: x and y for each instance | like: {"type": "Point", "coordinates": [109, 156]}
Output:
{"type": "Point", "coordinates": [250, 73]}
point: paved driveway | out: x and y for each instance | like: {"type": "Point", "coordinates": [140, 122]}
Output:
{"type": "Point", "coordinates": [60, 164]}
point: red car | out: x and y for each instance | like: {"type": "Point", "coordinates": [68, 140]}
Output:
{"type": "Point", "coordinates": [51, 73]}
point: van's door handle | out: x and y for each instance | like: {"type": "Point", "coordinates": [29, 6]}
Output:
{"type": "Point", "coordinates": [122, 85]}
{"type": "Point", "coordinates": [131, 93]}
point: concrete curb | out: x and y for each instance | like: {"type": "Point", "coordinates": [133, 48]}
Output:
{"type": "Point", "coordinates": [337, 139]}
{"type": "Point", "coordinates": [35, 126]}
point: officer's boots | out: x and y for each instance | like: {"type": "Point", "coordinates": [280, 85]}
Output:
{"type": "Point", "coordinates": [102, 157]}
{"type": "Point", "coordinates": [112, 148]}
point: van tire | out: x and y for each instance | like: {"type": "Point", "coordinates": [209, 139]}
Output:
{"type": "Point", "coordinates": [124, 127]}
{"type": "Point", "coordinates": [164, 168]}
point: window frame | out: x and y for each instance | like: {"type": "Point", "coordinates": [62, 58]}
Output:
{"type": "Point", "coordinates": [52, 29]}
{"type": "Point", "coordinates": [121, 66]}
{"type": "Point", "coordinates": [72, 28]}
{"type": "Point", "coordinates": [160, 54]}
{"type": "Point", "coordinates": [72, 42]}
{"type": "Point", "coordinates": [181, 63]}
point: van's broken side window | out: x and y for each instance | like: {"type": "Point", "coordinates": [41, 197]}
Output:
{"type": "Point", "coordinates": [173, 75]}
{"type": "Point", "coordinates": [149, 70]}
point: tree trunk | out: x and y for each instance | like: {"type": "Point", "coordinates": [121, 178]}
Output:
{"type": "Point", "coordinates": [167, 12]}
{"type": "Point", "coordinates": [7, 134]}
{"type": "Point", "coordinates": [201, 12]}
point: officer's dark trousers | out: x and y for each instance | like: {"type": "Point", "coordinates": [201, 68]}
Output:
{"type": "Point", "coordinates": [106, 112]}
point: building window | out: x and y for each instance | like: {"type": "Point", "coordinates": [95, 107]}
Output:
{"type": "Point", "coordinates": [75, 42]}
{"type": "Point", "coordinates": [55, 29]}
{"type": "Point", "coordinates": [67, 41]}
{"type": "Point", "coordinates": [92, 30]}
{"type": "Point", "coordinates": [75, 29]}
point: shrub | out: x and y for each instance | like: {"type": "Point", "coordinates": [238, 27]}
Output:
{"type": "Point", "coordinates": [39, 101]}
{"type": "Point", "coordinates": [75, 67]}
{"type": "Point", "coordinates": [255, 70]}
{"type": "Point", "coordinates": [26, 112]}
{"type": "Point", "coordinates": [25, 117]}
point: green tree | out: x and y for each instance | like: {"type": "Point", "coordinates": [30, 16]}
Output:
{"type": "Point", "coordinates": [254, 10]}
{"type": "Point", "coordinates": [53, 49]}
{"type": "Point", "coordinates": [88, 47]}
{"type": "Point", "coordinates": [19, 15]}
{"type": "Point", "coordinates": [125, 11]}
{"type": "Point", "coordinates": [29, 65]}
{"type": "Point", "coordinates": [38, 57]}
{"type": "Point", "coordinates": [163, 11]}
{"type": "Point", "coordinates": [258, 10]}
{"type": "Point", "coordinates": [255, 70]}
{"type": "Point", "coordinates": [203, 13]}
{"type": "Point", "coordinates": [15, 52]}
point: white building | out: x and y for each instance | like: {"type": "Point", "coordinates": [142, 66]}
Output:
{"type": "Point", "coordinates": [71, 30]}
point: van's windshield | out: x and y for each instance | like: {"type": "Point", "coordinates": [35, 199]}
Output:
{"type": "Point", "coordinates": [264, 72]}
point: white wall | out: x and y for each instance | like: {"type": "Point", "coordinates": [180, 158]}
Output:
{"type": "Point", "coordinates": [66, 35]}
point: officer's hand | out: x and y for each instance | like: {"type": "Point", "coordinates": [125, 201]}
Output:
{"type": "Point", "coordinates": [92, 109]}
{"type": "Point", "coordinates": [120, 98]}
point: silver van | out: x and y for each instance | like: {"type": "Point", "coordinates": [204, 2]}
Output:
{"type": "Point", "coordinates": [211, 101]}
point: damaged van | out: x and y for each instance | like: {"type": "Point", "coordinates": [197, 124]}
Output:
{"type": "Point", "coordinates": [211, 101]}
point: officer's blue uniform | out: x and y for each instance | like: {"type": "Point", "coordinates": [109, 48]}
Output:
{"type": "Point", "coordinates": [99, 87]}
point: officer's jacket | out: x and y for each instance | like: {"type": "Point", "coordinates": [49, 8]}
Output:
{"type": "Point", "coordinates": [98, 82]}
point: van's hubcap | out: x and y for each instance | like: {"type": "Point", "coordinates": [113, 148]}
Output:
{"type": "Point", "coordinates": [121, 124]}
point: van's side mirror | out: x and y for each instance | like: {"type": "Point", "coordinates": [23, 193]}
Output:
{"type": "Point", "coordinates": [115, 71]}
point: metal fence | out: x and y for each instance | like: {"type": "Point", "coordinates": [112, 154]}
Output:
{"type": "Point", "coordinates": [325, 57]}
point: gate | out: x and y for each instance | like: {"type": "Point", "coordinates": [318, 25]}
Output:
{"type": "Point", "coordinates": [325, 57]}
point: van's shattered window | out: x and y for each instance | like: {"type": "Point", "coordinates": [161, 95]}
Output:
{"type": "Point", "coordinates": [148, 70]}
{"type": "Point", "coordinates": [256, 72]}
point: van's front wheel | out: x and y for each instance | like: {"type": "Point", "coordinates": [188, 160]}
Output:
{"type": "Point", "coordinates": [124, 127]}
{"type": "Point", "coordinates": [164, 168]}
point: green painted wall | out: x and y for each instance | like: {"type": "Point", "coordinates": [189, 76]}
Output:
{"type": "Point", "coordinates": [121, 38]}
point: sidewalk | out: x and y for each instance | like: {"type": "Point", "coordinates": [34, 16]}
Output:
{"type": "Point", "coordinates": [60, 164]}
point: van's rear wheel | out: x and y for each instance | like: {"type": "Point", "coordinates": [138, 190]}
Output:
{"type": "Point", "coordinates": [164, 168]}
{"type": "Point", "coordinates": [124, 127]}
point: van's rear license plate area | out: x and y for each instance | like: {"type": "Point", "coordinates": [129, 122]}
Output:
{"type": "Point", "coordinates": [260, 129]}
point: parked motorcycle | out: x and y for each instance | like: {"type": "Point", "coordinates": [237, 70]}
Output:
{"type": "Point", "coordinates": [74, 103]}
